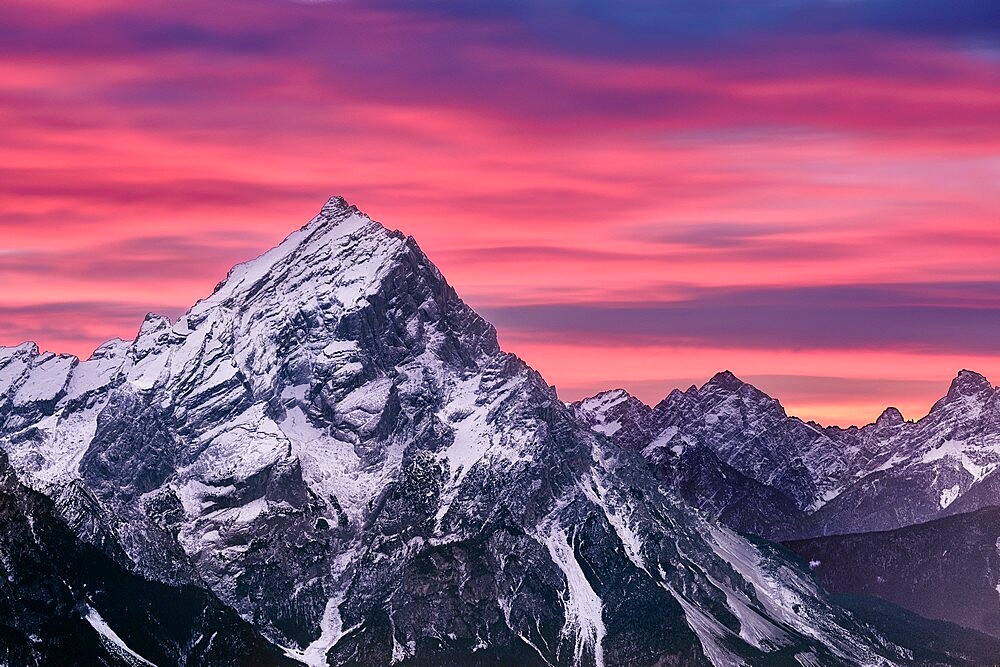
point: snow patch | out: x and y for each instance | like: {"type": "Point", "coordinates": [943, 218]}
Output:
{"type": "Point", "coordinates": [332, 465]}
{"type": "Point", "coordinates": [46, 380]}
{"type": "Point", "coordinates": [808, 659]}
{"type": "Point", "coordinates": [470, 436]}
{"type": "Point", "coordinates": [665, 436]}
{"type": "Point", "coordinates": [599, 494]}
{"type": "Point", "coordinates": [331, 630]}
{"type": "Point", "coordinates": [755, 629]}
{"type": "Point", "coordinates": [607, 428]}
{"type": "Point", "coordinates": [711, 634]}
{"type": "Point", "coordinates": [780, 591]}
{"type": "Point", "coordinates": [596, 408]}
{"type": "Point", "coordinates": [475, 437]}
{"type": "Point", "coordinates": [583, 607]}
{"type": "Point", "coordinates": [956, 449]}
{"type": "Point", "coordinates": [110, 638]}
{"type": "Point", "coordinates": [948, 495]}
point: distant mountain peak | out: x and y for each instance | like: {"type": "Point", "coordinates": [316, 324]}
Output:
{"type": "Point", "coordinates": [341, 255]}
{"type": "Point", "coordinates": [154, 323]}
{"type": "Point", "coordinates": [338, 206]}
{"type": "Point", "coordinates": [25, 349]}
{"type": "Point", "coordinates": [969, 383]}
{"type": "Point", "coordinates": [889, 417]}
{"type": "Point", "coordinates": [110, 348]}
{"type": "Point", "coordinates": [608, 396]}
{"type": "Point", "coordinates": [726, 380]}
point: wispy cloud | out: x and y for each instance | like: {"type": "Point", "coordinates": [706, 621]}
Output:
{"type": "Point", "coordinates": [758, 176]}
{"type": "Point", "coordinates": [916, 317]}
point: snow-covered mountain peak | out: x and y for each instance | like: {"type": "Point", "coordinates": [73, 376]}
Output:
{"type": "Point", "coordinates": [813, 479]}
{"type": "Point", "coordinates": [889, 417]}
{"type": "Point", "coordinates": [610, 411]}
{"type": "Point", "coordinates": [602, 402]}
{"type": "Point", "coordinates": [337, 207]}
{"type": "Point", "coordinates": [334, 444]}
{"type": "Point", "coordinates": [336, 258]}
{"type": "Point", "coordinates": [27, 349]}
{"type": "Point", "coordinates": [110, 348]}
{"type": "Point", "coordinates": [727, 381]}
{"type": "Point", "coordinates": [969, 383]}
{"type": "Point", "coordinates": [152, 330]}
{"type": "Point", "coordinates": [154, 323]}
{"type": "Point", "coordinates": [727, 389]}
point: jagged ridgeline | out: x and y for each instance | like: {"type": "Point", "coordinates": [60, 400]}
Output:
{"type": "Point", "coordinates": [331, 457]}
{"type": "Point", "coordinates": [730, 449]}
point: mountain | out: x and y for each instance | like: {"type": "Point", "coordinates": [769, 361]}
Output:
{"type": "Point", "coordinates": [613, 411]}
{"type": "Point", "coordinates": [941, 464]}
{"type": "Point", "coordinates": [928, 640]}
{"type": "Point", "coordinates": [334, 446]}
{"type": "Point", "coordinates": [945, 569]}
{"type": "Point", "coordinates": [730, 450]}
{"type": "Point", "coordinates": [733, 451]}
{"type": "Point", "coordinates": [65, 602]}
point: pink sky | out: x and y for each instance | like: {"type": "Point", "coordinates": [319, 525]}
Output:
{"type": "Point", "coordinates": [809, 199]}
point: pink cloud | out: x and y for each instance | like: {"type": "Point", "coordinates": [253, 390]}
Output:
{"type": "Point", "coordinates": [533, 171]}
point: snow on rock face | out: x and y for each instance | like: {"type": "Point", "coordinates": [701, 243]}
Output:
{"type": "Point", "coordinates": [948, 495]}
{"type": "Point", "coordinates": [46, 380]}
{"type": "Point", "coordinates": [335, 445]}
{"type": "Point", "coordinates": [14, 364]}
{"type": "Point", "coordinates": [582, 607]}
{"type": "Point", "coordinates": [935, 466]}
{"type": "Point", "coordinates": [727, 449]}
{"type": "Point", "coordinates": [609, 411]}
{"type": "Point", "coordinates": [111, 638]}
{"type": "Point", "coordinates": [731, 450]}
{"type": "Point", "coordinates": [288, 341]}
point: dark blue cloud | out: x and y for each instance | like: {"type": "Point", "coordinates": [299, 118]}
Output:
{"type": "Point", "coordinates": [492, 57]}
{"type": "Point", "coordinates": [619, 27]}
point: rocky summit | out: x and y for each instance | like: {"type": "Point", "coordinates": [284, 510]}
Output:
{"type": "Point", "coordinates": [731, 450]}
{"type": "Point", "coordinates": [330, 461]}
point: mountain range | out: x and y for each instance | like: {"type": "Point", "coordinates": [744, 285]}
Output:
{"type": "Point", "coordinates": [330, 461]}
{"type": "Point", "coordinates": [732, 451]}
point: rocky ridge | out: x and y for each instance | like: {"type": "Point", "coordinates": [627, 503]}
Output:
{"type": "Point", "coordinates": [733, 451]}
{"type": "Point", "coordinates": [334, 446]}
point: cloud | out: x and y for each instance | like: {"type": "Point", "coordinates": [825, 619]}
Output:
{"type": "Point", "coordinates": [818, 389]}
{"type": "Point", "coordinates": [651, 165]}
{"type": "Point", "coordinates": [917, 317]}
{"type": "Point", "coordinates": [76, 327]}
{"type": "Point", "coordinates": [180, 193]}
{"type": "Point", "coordinates": [639, 26]}
{"type": "Point", "coordinates": [152, 257]}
